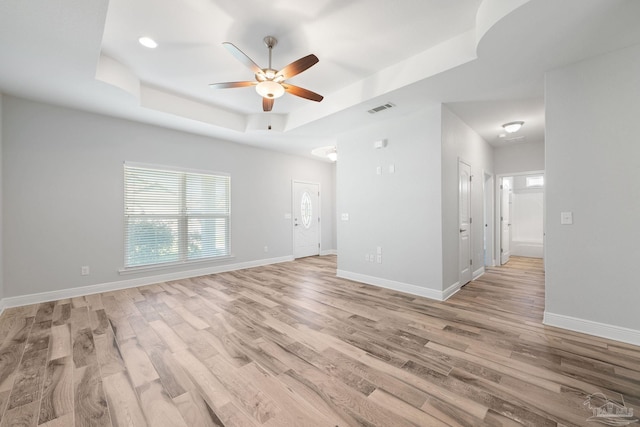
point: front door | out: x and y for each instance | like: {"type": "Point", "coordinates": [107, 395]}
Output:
{"type": "Point", "coordinates": [464, 222]}
{"type": "Point", "coordinates": [306, 219]}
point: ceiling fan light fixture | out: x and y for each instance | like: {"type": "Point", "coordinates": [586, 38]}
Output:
{"type": "Point", "coordinates": [512, 127]}
{"type": "Point", "coordinates": [270, 89]}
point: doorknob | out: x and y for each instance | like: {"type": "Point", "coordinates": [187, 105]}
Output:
{"type": "Point", "coordinates": [462, 230]}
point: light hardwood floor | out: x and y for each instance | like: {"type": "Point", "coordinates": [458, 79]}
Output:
{"type": "Point", "coordinates": [292, 345]}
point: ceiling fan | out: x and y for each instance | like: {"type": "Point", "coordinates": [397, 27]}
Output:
{"type": "Point", "coordinates": [270, 83]}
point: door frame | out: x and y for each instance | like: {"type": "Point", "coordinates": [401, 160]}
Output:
{"type": "Point", "coordinates": [498, 230]}
{"type": "Point", "coordinates": [488, 213]}
{"type": "Point", "coordinates": [470, 225]}
{"type": "Point", "coordinates": [293, 209]}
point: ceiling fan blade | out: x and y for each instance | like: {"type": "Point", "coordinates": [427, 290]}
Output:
{"type": "Point", "coordinates": [242, 57]}
{"type": "Point", "coordinates": [296, 67]}
{"type": "Point", "coordinates": [228, 85]}
{"type": "Point", "coordinates": [303, 93]}
{"type": "Point", "coordinates": [267, 104]}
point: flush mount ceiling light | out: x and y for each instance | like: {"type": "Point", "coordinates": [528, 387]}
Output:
{"type": "Point", "coordinates": [512, 126]}
{"type": "Point", "coordinates": [148, 42]}
{"type": "Point", "coordinates": [330, 152]}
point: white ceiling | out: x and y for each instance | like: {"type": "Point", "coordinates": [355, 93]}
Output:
{"type": "Point", "coordinates": [413, 53]}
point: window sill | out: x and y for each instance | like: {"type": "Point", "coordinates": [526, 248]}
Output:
{"type": "Point", "coordinates": [172, 265]}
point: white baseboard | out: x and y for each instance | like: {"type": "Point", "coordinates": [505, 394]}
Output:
{"type": "Point", "coordinates": [131, 283]}
{"type": "Point", "coordinates": [479, 272]}
{"type": "Point", "coordinates": [447, 293]}
{"type": "Point", "coordinates": [393, 285]}
{"type": "Point", "coordinates": [617, 333]}
{"type": "Point", "coordinates": [329, 252]}
{"type": "Point", "coordinates": [2, 306]}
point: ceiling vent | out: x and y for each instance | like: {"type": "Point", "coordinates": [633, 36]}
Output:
{"type": "Point", "coordinates": [381, 108]}
{"type": "Point", "coordinates": [515, 140]}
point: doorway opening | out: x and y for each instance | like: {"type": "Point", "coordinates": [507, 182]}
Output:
{"type": "Point", "coordinates": [520, 216]}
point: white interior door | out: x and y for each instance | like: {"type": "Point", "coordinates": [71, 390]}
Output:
{"type": "Point", "coordinates": [306, 219]}
{"type": "Point", "coordinates": [505, 219]}
{"type": "Point", "coordinates": [464, 210]}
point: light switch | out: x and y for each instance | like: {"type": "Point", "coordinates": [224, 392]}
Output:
{"type": "Point", "coordinates": [566, 218]}
{"type": "Point", "coordinates": [344, 217]}
{"type": "Point", "coordinates": [378, 170]}
{"type": "Point", "coordinates": [392, 168]}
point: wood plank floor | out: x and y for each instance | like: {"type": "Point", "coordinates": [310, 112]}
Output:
{"type": "Point", "coordinates": [292, 345]}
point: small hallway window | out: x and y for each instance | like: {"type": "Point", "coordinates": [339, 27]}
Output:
{"type": "Point", "coordinates": [535, 181]}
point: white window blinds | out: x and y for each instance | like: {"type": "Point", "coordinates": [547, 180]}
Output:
{"type": "Point", "coordinates": [175, 216]}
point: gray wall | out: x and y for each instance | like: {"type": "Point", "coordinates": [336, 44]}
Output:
{"type": "Point", "coordinates": [592, 170]}
{"type": "Point", "coordinates": [63, 184]}
{"type": "Point", "coordinates": [459, 141]}
{"type": "Point", "coordinates": [519, 158]}
{"type": "Point", "coordinates": [1, 212]}
{"type": "Point", "coordinates": [400, 211]}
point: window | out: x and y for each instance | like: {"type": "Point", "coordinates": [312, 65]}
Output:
{"type": "Point", "coordinates": [305, 209]}
{"type": "Point", "coordinates": [535, 181]}
{"type": "Point", "coordinates": [173, 216]}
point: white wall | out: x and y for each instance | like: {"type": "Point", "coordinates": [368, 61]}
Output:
{"type": "Point", "coordinates": [1, 213]}
{"type": "Point", "coordinates": [63, 202]}
{"type": "Point", "coordinates": [400, 212]}
{"type": "Point", "coordinates": [592, 169]}
{"type": "Point", "coordinates": [459, 141]}
{"type": "Point", "coordinates": [518, 158]}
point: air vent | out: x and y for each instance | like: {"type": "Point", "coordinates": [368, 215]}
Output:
{"type": "Point", "coordinates": [515, 140]}
{"type": "Point", "coordinates": [381, 108]}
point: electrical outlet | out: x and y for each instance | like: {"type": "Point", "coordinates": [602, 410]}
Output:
{"type": "Point", "coordinates": [84, 270]}
{"type": "Point", "coordinates": [379, 259]}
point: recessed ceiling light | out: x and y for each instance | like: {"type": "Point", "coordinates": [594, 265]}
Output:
{"type": "Point", "coordinates": [148, 42]}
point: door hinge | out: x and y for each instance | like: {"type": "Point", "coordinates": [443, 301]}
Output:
{"type": "Point", "coordinates": [501, 250]}
{"type": "Point", "coordinates": [470, 262]}
{"type": "Point", "coordinates": [318, 219]}
{"type": "Point", "coordinates": [470, 178]}
{"type": "Point", "coordinates": [470, 220]}
{"type": "Point", "coordinates": [318, 245]}
{"type": "Point", "coordinates": [501, 186]}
